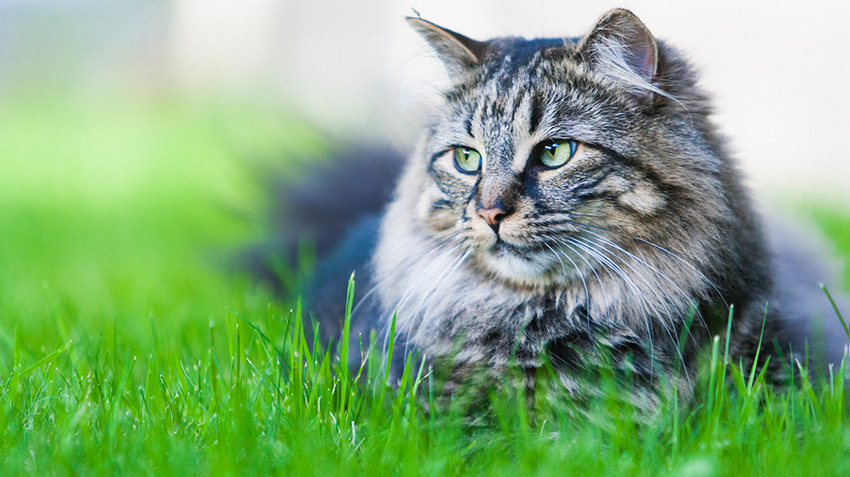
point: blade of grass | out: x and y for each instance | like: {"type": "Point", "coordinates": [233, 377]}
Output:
{"type": "Point", "coordinates": [835, 307]}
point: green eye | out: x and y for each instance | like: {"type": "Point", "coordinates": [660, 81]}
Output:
{"type": "Point", "coordinates": [557, 153]}
{"type": "Point", "coordinates": [467, 160]}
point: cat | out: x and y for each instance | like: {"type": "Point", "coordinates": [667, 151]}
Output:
{"type": "Point", "coordinates": [572, 206]}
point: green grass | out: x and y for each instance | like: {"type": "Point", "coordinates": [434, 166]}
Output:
{"type": "Point", "coordinates": [128, 344]}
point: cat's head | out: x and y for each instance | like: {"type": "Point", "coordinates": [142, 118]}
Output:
{"type": "Point", "coordinates": [544, 148]}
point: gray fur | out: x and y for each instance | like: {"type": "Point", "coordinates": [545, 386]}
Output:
{"type": "Point", "coordinates": [606, 255]}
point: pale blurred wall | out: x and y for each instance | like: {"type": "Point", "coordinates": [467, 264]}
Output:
{"type": "Point", "coordinates": [779, 71]}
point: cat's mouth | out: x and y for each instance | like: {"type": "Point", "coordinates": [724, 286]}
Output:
{"type": "Point", "coordinates": [533, 265]}
{"type": "Point", "coordinates": [525, 264]}
{"type": "Point", "coordinates": [501, 246]}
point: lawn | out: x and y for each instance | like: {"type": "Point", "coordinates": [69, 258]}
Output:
{"type": "Point", "coordinates": [132, 342]}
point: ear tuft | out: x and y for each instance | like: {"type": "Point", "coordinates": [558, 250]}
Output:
{"type": "Point", "coordinates": [456, 51]}
{"type": "Point", "coordinates": [621, 46]}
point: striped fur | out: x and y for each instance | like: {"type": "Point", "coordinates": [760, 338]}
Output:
{"type": "Point", "coordinates": [605, 256]}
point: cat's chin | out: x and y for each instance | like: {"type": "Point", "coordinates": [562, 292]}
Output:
{"type": "Point", "coordinates": [522, 267]}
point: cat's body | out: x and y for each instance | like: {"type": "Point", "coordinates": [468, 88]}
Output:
{"type": "Point", "coordinates": [572, 204]}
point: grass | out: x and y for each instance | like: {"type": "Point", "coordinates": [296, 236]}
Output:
{"type": "Point", "coordinates": [129, 345]}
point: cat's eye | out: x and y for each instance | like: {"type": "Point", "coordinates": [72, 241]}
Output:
{"type": "Point", "coordinates": [467, 160]}
{"type": "Point", "coordinates": [557, 153]}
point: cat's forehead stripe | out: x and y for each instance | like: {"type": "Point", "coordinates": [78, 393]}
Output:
{"type": "Point", "coordinates": [513, 90]}
{"type": "Point", "coordinates": [506, 116]}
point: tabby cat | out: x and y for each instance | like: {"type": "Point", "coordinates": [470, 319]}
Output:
{"type": "Point", "coordinates": [572, 203]}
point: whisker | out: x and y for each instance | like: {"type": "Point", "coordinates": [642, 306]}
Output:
{"type": "Point", "coordinates": [689, 264]}
{"type": "Point", "coordinates": [563, 268]}
{"type": "Point", "coordinates": [414, 285]}
{"type": "Point", "coordinates": [598, 279]}
{"type": "Point", "coordinates": [578, 270]}
{"type": "Point", "coordinates": [659, 272]}
{"type": "Point", "coordinates": [645, 305]}
{"type": "Point", "coordinates": [677, 257]}
{"type": "Point", "coordinates": [437, 290]}
{"type": "Point", "coordinates": [411, 319]}
{"type": "Point", "coordinates": [637, 273]}
{"type": "Point", "coordinates": [664, 303]}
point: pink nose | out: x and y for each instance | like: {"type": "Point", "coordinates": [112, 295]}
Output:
{"type": "Point", "coordinates": [493, 216]}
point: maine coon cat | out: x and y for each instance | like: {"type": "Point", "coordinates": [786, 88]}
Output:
{"type": "Point", "coordinates": [572, 201]}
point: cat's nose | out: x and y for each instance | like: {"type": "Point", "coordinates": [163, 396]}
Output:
{"type": "Point", "coordinates": [494, 216]}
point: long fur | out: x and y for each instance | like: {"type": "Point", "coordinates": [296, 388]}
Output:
{"type": "Point", "coordinates": [606, 257]}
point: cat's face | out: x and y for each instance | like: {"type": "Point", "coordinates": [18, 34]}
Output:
{"type": "Point", "coordinates": [539, 155]}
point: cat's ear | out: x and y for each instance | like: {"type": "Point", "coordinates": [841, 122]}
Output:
{"type": "Point", "coordinates": [456, 51]}
{"type": "Point", "coordinates": [622, 47]}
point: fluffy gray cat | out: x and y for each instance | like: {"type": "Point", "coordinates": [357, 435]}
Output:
{"type": "Point", "coordinates": [572, 206]}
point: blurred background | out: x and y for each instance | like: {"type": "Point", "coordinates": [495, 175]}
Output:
{"type": "Point", "coordinates": [778, 70]}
